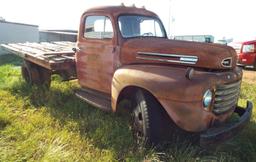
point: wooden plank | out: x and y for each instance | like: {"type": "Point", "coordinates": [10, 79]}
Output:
{"type": "Point", "coordinates": [60, 53]}
{"type": "Point", "coordinates": [37, 46]}
{"type": "Point", "coordinates": [69, 57]}
{"type": "Point", "coordinates": [70, 44]}
{"type": "Point", "coordinates": [27, 49]}
{"type": "Point", "coordinates": [58, 47]}
{"type": "Point", "coordinates": [13, 50]}
{"type": "Point", "coordinates": [49, 47]}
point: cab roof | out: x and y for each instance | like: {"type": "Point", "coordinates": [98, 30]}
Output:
{"type": "Point", "coordinates": [250, 42]}
{"type": "Point", "coordinates": [120, 10]}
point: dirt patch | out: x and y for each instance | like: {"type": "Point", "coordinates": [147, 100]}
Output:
{"type": "Point", "coordinates": [249, 76]}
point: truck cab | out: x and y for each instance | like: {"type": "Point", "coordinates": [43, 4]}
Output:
{"type": "Point", "coordinates": [247, 54]}
{"type": "Point", "coordinates": [124, 53]}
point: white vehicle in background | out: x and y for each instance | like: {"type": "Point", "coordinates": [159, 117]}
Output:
{"type": "Point", "coordinates": [196, 38]}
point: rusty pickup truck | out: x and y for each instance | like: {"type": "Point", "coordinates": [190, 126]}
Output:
{"type": "Point", "coordinates": [123, 53]}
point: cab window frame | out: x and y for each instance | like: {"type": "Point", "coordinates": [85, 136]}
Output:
{"type": "Point", "coordinates": [106, 17]}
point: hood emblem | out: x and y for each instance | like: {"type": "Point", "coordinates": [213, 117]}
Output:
{"type": "Point", "coordinates": [227, 62]}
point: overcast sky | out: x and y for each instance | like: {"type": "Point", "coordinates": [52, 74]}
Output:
{"type": "Point", "coordinates": [221, 18]}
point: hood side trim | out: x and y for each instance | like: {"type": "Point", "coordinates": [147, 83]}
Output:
{"type": "Point", "coordinates": [172, 58]}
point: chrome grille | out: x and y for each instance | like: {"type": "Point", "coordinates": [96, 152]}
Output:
{"type": "Point", "coordinates": [226, 97]}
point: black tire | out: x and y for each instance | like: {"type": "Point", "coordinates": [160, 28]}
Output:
{"type": "Point", "coordinates": [30, 73]}
{"type": "Point", "coordinates": [45, 76]}
{"type": "Point", "coordinates": [151, 124]}
{"type": "Point", "coordinates": [35, 75]}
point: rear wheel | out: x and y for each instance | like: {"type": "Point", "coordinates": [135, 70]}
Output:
{"type": "Point", "coordinates": [35, 75]}
{"type": "Point", "coordinates": [45, 76]}
{"type": "Point", "coordinates": [150, 122]}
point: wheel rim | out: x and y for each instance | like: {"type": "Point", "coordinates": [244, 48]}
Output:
{"type": "Point", "coordinates": [137, 124]}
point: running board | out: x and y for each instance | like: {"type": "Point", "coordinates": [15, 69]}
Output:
{"type": "Point", "coordinates": [95, 98]}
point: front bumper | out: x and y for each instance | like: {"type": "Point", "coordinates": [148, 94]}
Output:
{"type": "Point", "coordinates": [227, 131]}
{"type": "Point", "coordinates": [239, 64]}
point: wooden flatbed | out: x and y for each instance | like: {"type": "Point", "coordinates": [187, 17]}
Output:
{"type": "Point", "coordinates": [53, 56]}
{"type": "Point", "coordinates": [41, 60]}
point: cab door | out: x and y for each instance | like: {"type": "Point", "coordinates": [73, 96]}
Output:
{"type": "Point", "coordinates": [95, 54]}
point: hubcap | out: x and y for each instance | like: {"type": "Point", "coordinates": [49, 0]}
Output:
{"type": "Point", "coordinates": [138, 125]}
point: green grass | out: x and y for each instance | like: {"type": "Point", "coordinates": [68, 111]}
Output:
{"type": "Point", "coordinates": [37, 124]}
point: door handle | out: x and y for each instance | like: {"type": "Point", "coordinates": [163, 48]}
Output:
{"type": "Point", "coordinates": [114, 50]}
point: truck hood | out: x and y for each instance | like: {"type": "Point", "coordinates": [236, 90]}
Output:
{"type": "Point", "coordinates": [184, 53]}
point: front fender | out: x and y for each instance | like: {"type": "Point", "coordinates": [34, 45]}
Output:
{"type": "Point", "coordinates": [179, 96]}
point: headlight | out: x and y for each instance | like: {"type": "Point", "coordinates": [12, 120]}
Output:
{"type": "Point", "coordinates": [207, 99]}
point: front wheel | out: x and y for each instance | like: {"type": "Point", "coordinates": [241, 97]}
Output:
{"type": "Point", "coordinates": [150, 123]}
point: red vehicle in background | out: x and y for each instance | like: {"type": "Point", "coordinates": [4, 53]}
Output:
{"type": "Point", "coordinates": [247, 55]}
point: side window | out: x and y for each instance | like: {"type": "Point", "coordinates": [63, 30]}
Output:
{"type": "Point", "coordinates": [98, 27]}
{"type": "Point", "coordinates": [248, 48]}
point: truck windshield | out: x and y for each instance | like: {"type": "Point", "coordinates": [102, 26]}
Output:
{"type": "Point", "coordinates": [140, 26]}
